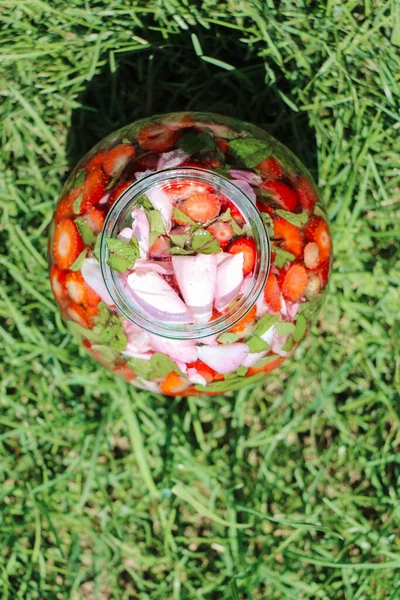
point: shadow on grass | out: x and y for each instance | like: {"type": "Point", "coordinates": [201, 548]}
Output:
{"type": "Point", "coordinates": [169, 76]}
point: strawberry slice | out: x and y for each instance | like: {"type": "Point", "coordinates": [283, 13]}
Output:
{"type": "Point", "coordinates": [204, 370]}
{"type": "Point", "coordinates": [117, 158]}
{"type": "Point", "coordinates": [65, 208]}
{"type": "Point", "coordinates": [293, 282]}
{"type": "Point", "coordinates": [96, 161]}
{"type": "Point", "coordinates": [79, 291]}
{"type": "Point", "coordinates": [313, 284]}
{"type": "Point", "coordinates": [248, 247]}
{"type": "Point", "coordinates": [245, 321]}
{"type": "Point", "coordinates": [95, 219]}
{"type": "Point", "coordinates": [160, 248]}
{"type": "Point", "coordinates": [317, 231]}
{"type": "Point", "coordinates": [311, 255]}
{"type": "Point", "coordinates": [82, 315]}
{"type": "Point", "coordinates": [93, 189]}
{"type": "Point", "coordinates": [125, 372]}
{"type": "Point", "coordinates": [57, 281]}
{"type": "Point", "coordinates": [144, 162]}
{"type": "Point", "coordinates": [157, 138]}
{"type": "Point", "coordinates": [222, 145]}
{"type": "Point", "coordinates": [273, 364]}
{"type": "Point", "coordinates": [173, 384]}
{"type": "Point", "coordinates": [306, 193]}
{"type": "Point", "coordinates": [270, 167]}
{"type": "Point", "coordinates": [272, 293]}
{"type": "Point", "coordinates": [282, 194]}
{"type": "Point", "coordinates": [288, 236]}
{"type": "Point", "coordinates": [202, 206]}
{"type": "Point", "coordinates": [222, 232]}
{"type": "Point", "coordinates": [118, 191]}
{"type": "Point", "coordinates": [264, 207]}
{"type": "Point", "coordinates": [67, 243]}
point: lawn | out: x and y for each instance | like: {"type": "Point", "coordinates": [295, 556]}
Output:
{"type": "Point", "coordinates": [288, 489]}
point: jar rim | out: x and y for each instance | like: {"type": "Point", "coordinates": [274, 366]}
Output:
{"type": "Point", "coordinates": [124, 301]}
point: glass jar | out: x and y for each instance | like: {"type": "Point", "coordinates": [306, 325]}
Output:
{"type": "Point", "coordinates": [189, 252]}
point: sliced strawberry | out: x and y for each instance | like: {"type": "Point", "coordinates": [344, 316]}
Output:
{"type": "Point", "coordinates": [157, 138]}
{"type": "Point", "coordinates": [117, 158]}
{"type": "Point", "coordinates": [288, 236]}
{"type": "Point", "coordinates": [317, 231]}
{"type": "Point", "coordinates": [324, 273]}
{"type": "Point", "coordinates": [269, 166]}
{"type": "Point", "coordinates": [82, 315]}
{"type": "Point", "coordinates": [173, 384]}
{"type": "Point", "coordinates": [195, 164]}
{"type": "Point", "coordinates": [95, 219]}
{"type": "Point", "coordinates": [202, 206]}
{"type": "Point", "coordinates": [222, 145]}
{"type": "Point", "coordinates": [204, 370]}
{"type": "Point", "coordinates": [222, 232]}
{"type": "Point", "coordinates": [215, 315]}
{"type": "Point", "coordinates": [96, 161]}
{"type": "Point", "coordinates": [245, 321]}
{"type": "Point", "coordinates": [272, 293]}
{"type": "Point", "coordinates": [67, 243]}
{"type": "Point", "coordinates": [144, 162]}
{"type": "Point", "coordinates": [181, 207]}
{"type": "Point", "coordinates": [282, 194]}
{"type": "Point", "coordinates": [125, 372]}
{"type": "Point", "coordinates": [265, 207]}
{"type": "Point", "coordinates": [57, 281]}
{"type": "Point", "coordinates": [235, 212]}
{"type": "Point", "coordinates": [65, 208]}
{"type": "Point", "coordinates": [93, 189]}
{"type": "Point", "coordinates": [273, 364]}
{"type": "Point", "coordinates": [306, 193]}
{"type": "Point", "coordinates": [313, 284]}
{"type": "Point", "coordinates": [293, 282]}
{"type": "Point", "coordinates": [160, 248]}
{"type": "Point", "coordinates": [311, 255]}
{"type": "Point", "coordinates": [248, 247]}
{"type": "Point", "coordinates": [118, 191]}
{"type": "Point", "coordinates": [79, 291]}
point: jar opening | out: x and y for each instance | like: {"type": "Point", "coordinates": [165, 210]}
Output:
{"type": "Point", "coordinates": [152, 193]}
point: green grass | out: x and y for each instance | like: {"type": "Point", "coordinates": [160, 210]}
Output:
{"type": "Point", "coordinates": [289, 489]}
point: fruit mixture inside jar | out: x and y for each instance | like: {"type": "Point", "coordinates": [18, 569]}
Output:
{"type": "Point", "coordinates": [186, 255]}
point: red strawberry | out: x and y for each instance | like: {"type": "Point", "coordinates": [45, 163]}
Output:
{"type": "Point", "coordinates": [204, 370]}
{"type": "Point", "coordinates": [145, 162]}
{"type": "Point", "coordinates": [313, 284]}
{"type": "Point", "coordinates": [57, 281]}
{"type": "Point", "coordinates": [273, 364]}
{"type": "Point", "coordinates": [95, 219]}
{"type": "Point", "coordinates": [65, 206]}
{"type": "Point", "coordinates": [117, 158]}
{"type": "Point", "coordinates": [82, 315]}
{"type": "Point", "coordinates": [293, 282]}
{"type": "Point", "coordinates": [235, 212]}
{"type": "Point", "coordinates": [67, 243]}
{"type": "Point", "coordinates": [93, 189]}
{"type": "Point", "coordinates": [96, 161]}
{"type": "Point", "coordinates": [282, 194]}
{"type": "Point", "coordinates": [125, 372]}
{"type": "Point", "coordinates": [118, 191]}
{"type": "Point", "coordinates": [245, 321]}
{"type": "Point", "coordinates": [79, 291]}
{"type": "Point", "coordinates": [157, 138]}
{"type": "Point", "coordinates": [202, 207]}
{"type": "Point", "coordinates": [173, 384]}
{"type": "Point", "coordinates": [222, 232]}
{"type": "Point", "coordinates": [222, 144]}
{"type": "Point", "coordinates": [264, 207]}
{"type": "Point", "coordinates": [311, 255]}
{"type": "Point", "coordinates": [317, 231]}
{"type": "Point", "coordinates": [272, 293]}
{"type": "Point", "coordinates": [288, 236]}
{"type": "Point", "coordinates": [248, 247]}
{"type": "Point", "coordinates": [160, 248]}
{"type": "Point", "coordinates": [323, 272]}
{"type": "Point", "coordinates": [269, 166]}
{"type": "Point", "coordinates": [306, 193]}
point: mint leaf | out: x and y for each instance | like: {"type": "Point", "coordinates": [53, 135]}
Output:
{"type": "Point", "coordinates": [264, 324]}
{"type": "Point", "coordinates": [109, 330]}
{"type": "Point", "coordinates": [140, 366]}
{"type": "Point", "coordinates": [265, 361]}
{"type": "Point", "coordinates": [177, 250]}
{"type": "Point", "coordinates": [241, 371]}
{"type": "Point", "coordinates": [76, 206]}
{"type": "Point", "coordinates": [281, 256]}
{"type": "Point", "coordinates": [197, 143]}
{"type": "Point", "coordinates": [256, 344]}
{"type": "Point", "coordinates": [161, 365]}
{"type": "Point", "coordinates": [298, 220]}
{"type": "Point", "coordinates": [123, 254]}
{"type": "Point", "coordinates": [179, 239]}
{"type": "Point", "coordinates": [284, 328]}
{"type": "Point", "coordinates": [179, 215]}
{"type": "Point", "coordinates": [228, 338]}
{"type": "Point", "coordinates": [77, 264]}
{"type": "Point", "coordinates": [86, 233]}
{"type": "Point", "coordinates": [144, 202]}
{"type": "Point", "coordinates": [106, 352]}
{"type": "Point", "coordinates": [156, 225]}
{"type": "Point", "coordinates": [76, 181]}
{"type": "Point", "coordinates": [250, 151]}
{"type": "Point", "coordinates": [230, 385]}
{"type": "Point", "coordinates": [300, 329]}
{"type": "Point", "coordinates": [268, 222]}
{"type": "Point", "coordinates": [96, 249]}
{"type": "Point", "coordinates": [288, 345]}
{"type": "Point", "coordinates": [204, 242]}
{"type": "Point", "coordinates": [227, 217]}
